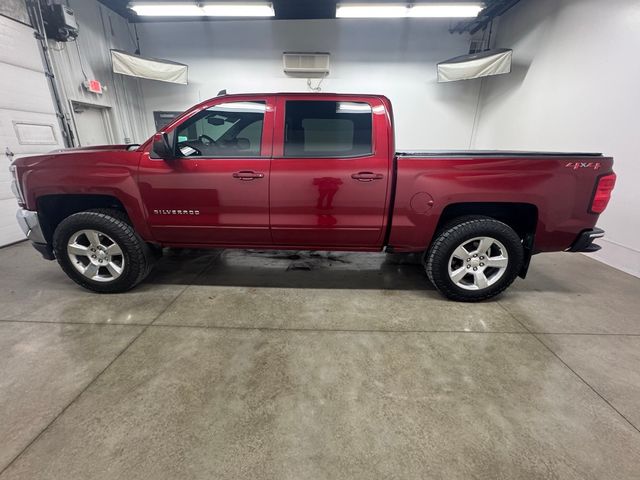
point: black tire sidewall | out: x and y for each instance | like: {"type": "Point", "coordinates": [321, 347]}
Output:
{"type": "Point", "coordinates": [135, 265]}
{"type": "Point", "coordinates": [437, 259]}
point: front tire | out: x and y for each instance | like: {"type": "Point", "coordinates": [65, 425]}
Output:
{"type": "Point", "coordinates": [100, 251]}
{"type": "Point", "coordinates": [475, 259]}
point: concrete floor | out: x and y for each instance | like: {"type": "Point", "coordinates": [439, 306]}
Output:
{"type": "Point", "coordinates": [234, 365]}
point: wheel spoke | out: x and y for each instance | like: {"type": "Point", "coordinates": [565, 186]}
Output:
{"type": "Point", "coordinates": [480, 279]}
{"type": "Point", "coordinates": [461, 253]}
{"type": "Point", "coordinates": [90, 270]}
{"type": "Point", "coordinates": [114, 270]}
{"type": "Point", "coordinates": [114, 250]}
{"type": "Point", "coordinates": [93, 237]}
{"type": "Point", "coordinates": [497, 262]}
{"type": "Point", "coordinates": [458, 274]}
{"type": "Point", "coordinates": [484, 245]}
{"type": "Point", "coordinates": [76, 249]}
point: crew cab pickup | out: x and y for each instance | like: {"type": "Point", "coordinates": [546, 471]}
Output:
{"type": "Point", "coordinates": [307, 172]}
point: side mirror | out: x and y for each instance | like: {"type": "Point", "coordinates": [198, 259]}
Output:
{"type": "Point", "coordinates": [162, 147]}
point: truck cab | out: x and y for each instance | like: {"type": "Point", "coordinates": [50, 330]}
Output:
{"type": "Point", "coordinates": [294, 170]}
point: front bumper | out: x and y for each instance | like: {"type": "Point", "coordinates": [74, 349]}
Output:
{"type": "Point", "coordinates": [584, 242]}
{"type": "Point", "coordinates": [30, 225]}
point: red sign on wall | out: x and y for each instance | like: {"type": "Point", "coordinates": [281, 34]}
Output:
{"type": "Point", "coordinates": [94, 86]}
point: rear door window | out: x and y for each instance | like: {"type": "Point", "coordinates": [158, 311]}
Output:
{"type": "Point", "coordinates": [318, 128]}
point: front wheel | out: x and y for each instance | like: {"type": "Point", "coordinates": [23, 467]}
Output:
{"type": "Point", "coordinates": [475, 259]}
{"type": "Point", "coordinates": [101, 251]}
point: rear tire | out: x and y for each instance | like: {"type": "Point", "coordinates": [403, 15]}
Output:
{"type": "Point", "coordinates": [100, 251]}
{"type": "Point", "coordinates": [475, 259]}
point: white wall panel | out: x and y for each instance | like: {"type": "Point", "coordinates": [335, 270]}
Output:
{"type": "Point", "coordinates": [16, 9]}
{"type": "Point", "coordinates": [574, 87]}
{"type": "Point", "coordinates": [28, 123]}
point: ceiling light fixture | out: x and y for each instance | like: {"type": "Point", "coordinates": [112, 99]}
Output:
{"type": "Point", "coordinates": [420, 10]}
{"type": "Point", "coordinates": [445, 10]}
{"type": "Point", "coordinates": [239, 10]}
{"type": "Point", "coordinates": [362, 10]}
{"type": "Point", "coordinates": [158, 9]}
{"type": "Point", "coordinates": [166, 9]}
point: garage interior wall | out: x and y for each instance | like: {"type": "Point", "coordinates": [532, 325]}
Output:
{"type": "Point", "coordinates": [393, 57]}
{"type": "Point", "coordinates": [28, 122]}
{"type": "Point", "coordinates": [574, 87]}
{"type": "Point", "coordinates": [89, 58]}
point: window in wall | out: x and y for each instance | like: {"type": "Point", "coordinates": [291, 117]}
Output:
{"type": "Point", "coordinates": [317, 128]}
{"type": "Point", "coordinates": [232, 129]}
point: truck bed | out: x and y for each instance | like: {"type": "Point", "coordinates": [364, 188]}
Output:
{"type": "Point", "coordinates": [492, 153]}
{"type": "Point", "coordinates": [557, 186]}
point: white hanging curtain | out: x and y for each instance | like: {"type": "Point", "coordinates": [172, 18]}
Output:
{"type": "Point", "coordinates": [150, 68]}
{"type": "Point", "coordinates": [477, 65]}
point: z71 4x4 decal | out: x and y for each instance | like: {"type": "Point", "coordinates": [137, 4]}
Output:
{"type": "Point", "coordinates": [578, 165]}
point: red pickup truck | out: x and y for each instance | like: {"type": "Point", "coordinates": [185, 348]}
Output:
{"type": "Point", "coordinates": [308, 172]}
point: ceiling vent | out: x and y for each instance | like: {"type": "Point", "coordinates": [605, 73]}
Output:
{"type": "Point", "coordinates": [309, 64]}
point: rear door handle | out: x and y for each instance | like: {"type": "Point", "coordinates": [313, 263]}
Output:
{"type": "Point", "coordinates": [247, 175]}
{"type": "Point", "coordinates": [367, 176]}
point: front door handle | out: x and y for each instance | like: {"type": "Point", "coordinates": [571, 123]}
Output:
{"type": "Point", "coordinates": [367, 176]}
{"type": "Point", "coordinates": [247, 175]}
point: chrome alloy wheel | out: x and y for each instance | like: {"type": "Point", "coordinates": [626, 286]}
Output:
{"type": "Point", "coordinates": [95, 255]}
{"type": "Point", "coordinates": [478, 263]}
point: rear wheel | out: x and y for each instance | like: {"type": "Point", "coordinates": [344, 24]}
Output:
{"type": "Point", "coordinates": [101, 251]}
{"type": "Point", "coordinates": [475, 259]}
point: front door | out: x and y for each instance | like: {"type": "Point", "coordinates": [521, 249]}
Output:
{"type": "Point", "coordinates": [329, 178]}
{"type": "Point", "coordinates": [217, 189]}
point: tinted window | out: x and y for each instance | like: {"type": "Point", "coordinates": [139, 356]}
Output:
{"type": "Point", "coordinates": [327, 129]}
{"type": "Point", "coordinates": [231, 129]}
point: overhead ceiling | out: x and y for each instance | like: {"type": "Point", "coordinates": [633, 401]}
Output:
{"type": "Point", "coordinates": [315, 9]}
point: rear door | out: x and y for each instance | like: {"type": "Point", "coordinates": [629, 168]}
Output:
{"type": "Point", "coordinates": [330, 172]}
{"type": "Point", "coordinates": [217, 189]}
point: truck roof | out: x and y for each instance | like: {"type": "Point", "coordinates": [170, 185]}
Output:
{"type": "Point", "coordinates": [298, 94]}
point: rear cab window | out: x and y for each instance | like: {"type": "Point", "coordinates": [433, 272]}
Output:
{"type": "Point", "coordinates": [327, 129]}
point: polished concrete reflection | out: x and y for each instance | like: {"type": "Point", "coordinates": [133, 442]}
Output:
{"type": "Point", "coordinates": [43, 368]}
{"type": "Point", "coordinates": [249, 364]}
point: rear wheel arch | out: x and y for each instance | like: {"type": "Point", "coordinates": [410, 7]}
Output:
{"type": "Point", "coordinates": [521, 217]}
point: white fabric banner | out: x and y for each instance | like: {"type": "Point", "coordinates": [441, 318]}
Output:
{"type": "Point", "coordinates": [150, 68]}
{"type": "Point", "coordinates": [477, 65]}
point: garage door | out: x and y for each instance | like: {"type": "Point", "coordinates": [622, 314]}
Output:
{"type": "Point", "coordinates": [28, 123]}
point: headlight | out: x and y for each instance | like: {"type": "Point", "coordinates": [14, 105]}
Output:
{"type": "Point", "coordinates": [15, 184]}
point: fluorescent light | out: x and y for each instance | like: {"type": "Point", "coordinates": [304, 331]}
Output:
{"type": "Point", "coordinates": [239, 10]}
{"type": "Point", "coordinates": [167, 9]}
{"type": "Point", "coordinates": [363, 10]}
{"type": "Point", "coordinates": [158, 9]}
{"type": "Point", "coordinates": [420, 10]}
{"type": "Point", "coordinates": [445, 10]}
